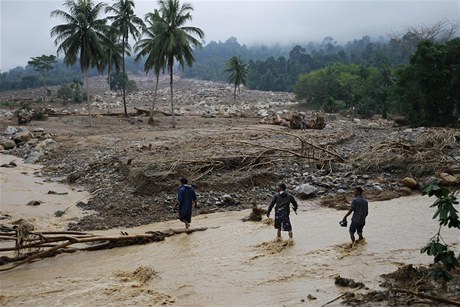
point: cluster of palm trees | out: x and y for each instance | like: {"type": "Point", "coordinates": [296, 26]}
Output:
{"type": "Point", "coordinates": [90, 39]}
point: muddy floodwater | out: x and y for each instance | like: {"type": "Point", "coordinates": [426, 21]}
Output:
{"type": "Point", "coordinates": [232, 263]}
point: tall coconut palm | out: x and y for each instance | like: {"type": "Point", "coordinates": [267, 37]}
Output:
{"type": "Point", "coordinates": [175, 39]}
{"type": "Point", "coordinates": [82, 37]}
{"type": "Point", "coordinates": [151, 48]}
{"type": "Point", "coordinates": [238, 70]}
{"type": "Point", "coordinates": [127, 23]}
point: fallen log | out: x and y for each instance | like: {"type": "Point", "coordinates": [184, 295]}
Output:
{"type": "Point", "coordinates": [36, 256]}
{"type": "Point", "coordinates": [101, 242]}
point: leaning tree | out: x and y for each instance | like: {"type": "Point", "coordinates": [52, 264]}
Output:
{"type": "Point", "coordinates": [151, 49]}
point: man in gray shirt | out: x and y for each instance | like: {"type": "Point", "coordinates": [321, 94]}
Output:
{"type": "Point", "coordinates": [282, 201]}
{"type": "Point", "coordinates": [359, 207]}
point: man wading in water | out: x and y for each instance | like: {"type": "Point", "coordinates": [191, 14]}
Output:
{"type": "Point", "coordinates": [185, 198]}
{"type": "Point", "coordinates": [359, 207]}
{"type": "Point", "coordinates": [281, 201]}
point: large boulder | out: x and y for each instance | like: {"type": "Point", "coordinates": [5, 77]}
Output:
{"type": "Point", "coordinates": [23, 137]}
{"type": "Point", "coordinates": [447, 179]}
{"type": "Point", "coordinates": [7, 143]}
{"type": "Point", "coordinates": [305, 190]}
{"type": "Point", "coordinates": [10, 131]}
{"type": "Point", "coordinates": [410, 182]}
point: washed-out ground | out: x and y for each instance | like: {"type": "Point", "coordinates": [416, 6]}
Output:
{"type": "Point", "coordinates": [132, 168]}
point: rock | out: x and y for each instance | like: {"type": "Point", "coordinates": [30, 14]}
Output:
{"type": "Point", "coordinates": [356, 120]}
{"type": "Point", "coordinates": [10, 131]}
{"type": "Point", "coordinates": [256, 214]}
{"type": "Point", "coordinates": [400, 121]}
{"type": "Point", "coordinates": [305, 190]}
{"type": "Point", "coordinates": [9, 165]}
{"type": "Point", "coordinates": [455, 169]}
{"type": "Point", "coordinates": [33, 203]}
{"type": "Point", "coordinates": [38, 130]}
{"type": "Point", "coordinates": [447, 179]}
{"type": "Point", "coordinates": [404, 191]}
{"type": "Point", "coordinates": [7, 144]}
{"type": "Point", "coordinates": [410, 182]}
{"type": "Point", "coordinates": [23, 137]}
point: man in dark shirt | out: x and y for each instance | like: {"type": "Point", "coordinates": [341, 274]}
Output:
{"type": "Point", "coordinates": [185, 198]}
{"type": "Point", "coordinates": [282, 201]}
{"type": "Point", "coordinates": [359, 207]}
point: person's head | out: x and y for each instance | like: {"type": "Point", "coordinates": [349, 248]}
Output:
{"type": "Point", "coordinates": [358, 191]}
{"type": "Point", "coordinates": [183, 181]}
{"type": "Point", "coordinates": [281, 187]}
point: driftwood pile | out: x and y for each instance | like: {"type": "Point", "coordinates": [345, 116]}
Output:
{"type": "Point", "coordinates": [424, 155]}
{"type": "Point", "coordinates": [28, 245]}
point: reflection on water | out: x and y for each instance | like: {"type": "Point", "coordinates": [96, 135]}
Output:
{"type": "Point", "coordinates": [234, 264]}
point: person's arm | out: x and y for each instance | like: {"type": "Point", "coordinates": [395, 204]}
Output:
{"type": "Point", "coordinates": [346, 215]}
{"type": "Point", "coordinates": [180, 196]}
{"type": "Point", "coordinates": [294, 204]}
{"type": "Point", "coordinates": [352, 208]}
{"type": "Point", "coordinates": [271, 206]}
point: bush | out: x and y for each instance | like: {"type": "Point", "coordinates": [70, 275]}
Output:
{"type": "Point", "coordinates": [72, 92]}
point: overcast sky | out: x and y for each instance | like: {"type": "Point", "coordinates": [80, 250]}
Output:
{"type": "Point", "coordinates": [25, 25]}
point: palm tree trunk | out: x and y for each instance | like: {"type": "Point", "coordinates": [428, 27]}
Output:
{"type": "Point", "coordinates": [123, 79]}
{"type": "Point", "coordinates": [85, 76]}
{"type": "Point", "coordinates": [150, 122]}
{"type": "Point", "coordinates": [234, 92]}
{"type": "Point", "coordinates": [172, 100]}
{"type": "Point", "coordinates": [44, 85]}
{"type": "Point", "coordinates": [108, 81]}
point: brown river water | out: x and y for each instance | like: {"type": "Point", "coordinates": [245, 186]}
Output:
{"type": "Point", "coordinates": [233, 263]}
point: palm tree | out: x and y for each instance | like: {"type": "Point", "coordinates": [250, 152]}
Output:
{"type": "Point", "coordinates": [113, 54]}
{"type": "Point", "coordinates": [175, 39]}
{"type": "Point", "coordinates": [82, 37]}
{"type": "Point", "coordinates": [238, 70]}
{"type": "Point", "coordinates": [126, 22]}
{"type": "Point", "coordinates": [151, 48]}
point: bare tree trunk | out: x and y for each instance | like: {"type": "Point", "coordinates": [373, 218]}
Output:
{"type": "Point", "coordinates": [44, 84]}
{"type": "Point", "coordinates": [109, 70]}
{"type": "Point", "coordinates": [172, 100]}
{"type": "Point", "coordinates": [85, 76]}
{"type": "Point", "coordinates": [150, 122]}
{"type": "Point", "coordinates": [123, 79]}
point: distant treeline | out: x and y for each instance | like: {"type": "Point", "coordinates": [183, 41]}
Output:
{"type": "Point", "coordinates": [277, 68]}
{"type": "Point", "coordinates": [26, 77]}
{"type": "Point", "coordinates": [274, 68]}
